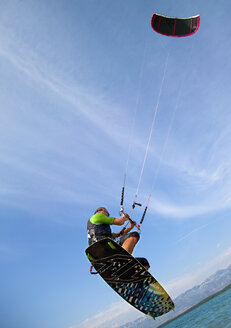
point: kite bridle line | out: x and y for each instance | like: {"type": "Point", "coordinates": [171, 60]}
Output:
{"type": "Point", "coordinates": [131, 137]}
{"type": "Point", "coordinates": [145, 155]}
{"type": "Point", "coordinates": [167, 136]}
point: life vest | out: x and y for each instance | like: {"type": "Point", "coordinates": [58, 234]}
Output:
{"type": "Point", "coordinates": [96, 232]}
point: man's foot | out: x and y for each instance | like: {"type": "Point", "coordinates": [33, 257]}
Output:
{"type": "Point", "coordinates": [144, 262]}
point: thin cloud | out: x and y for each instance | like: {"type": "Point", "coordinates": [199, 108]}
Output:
{"type": "Point", "coordinates": [92, 110]}
{"type": "Point", "coordinates": [83, 101]}
{"type": "Point", "coordinates": [175, 211]}
{"type": "Point", "coordinates": [115, 316]}
{"type": "Point", "coordinates": [182, 283]}
{"type": "Point", "coordinates": [191, 232]}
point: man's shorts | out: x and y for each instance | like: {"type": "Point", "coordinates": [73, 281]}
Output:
{"type": "Point", "coordinates": [128, 235]}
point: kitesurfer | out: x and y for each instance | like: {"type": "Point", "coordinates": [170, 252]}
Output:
{"type": "Point", "coordinates": [98, 227]}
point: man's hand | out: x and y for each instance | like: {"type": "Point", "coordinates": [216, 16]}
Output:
{"type": "Point", "coordinates": [125, 215]}
{"type": "Point", "coordinates": [132, 224]}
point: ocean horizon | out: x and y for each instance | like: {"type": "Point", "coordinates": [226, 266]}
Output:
{"type": "Point", "coordinates": [214, 312]}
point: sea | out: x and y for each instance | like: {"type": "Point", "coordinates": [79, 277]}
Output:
{"type": "Point", "coordinates": [215, 313]}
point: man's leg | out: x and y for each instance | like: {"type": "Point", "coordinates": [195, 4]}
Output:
{"type": "Point", "coordinates": [130, 242]}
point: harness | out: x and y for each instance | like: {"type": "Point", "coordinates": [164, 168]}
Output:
{"type": "Point", "coordinates": [96, 232]}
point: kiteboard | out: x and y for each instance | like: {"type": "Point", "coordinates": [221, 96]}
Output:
{"type": "Point", "coordinates": [129, 278]}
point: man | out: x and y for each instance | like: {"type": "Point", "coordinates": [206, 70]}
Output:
{"type": "Point", "coordinates": [98, 227]}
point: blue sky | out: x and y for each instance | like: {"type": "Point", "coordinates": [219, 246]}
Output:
{"type": "Point", "coordinates": [73, 75]}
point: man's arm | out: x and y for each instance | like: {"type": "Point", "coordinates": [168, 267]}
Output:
{"type": "Point", "coordinates": [132, 225]}
{"type": "Point", "coordinates": [125, 231]}
{"type": "Point", "coordinates": [120, 221]}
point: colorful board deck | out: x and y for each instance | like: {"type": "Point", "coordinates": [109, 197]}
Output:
{"type": "Point", "coordinates": [127, 276]}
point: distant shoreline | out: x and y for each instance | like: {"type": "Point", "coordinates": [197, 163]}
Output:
{"type": "Point", "coordinates": [196, 305]}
